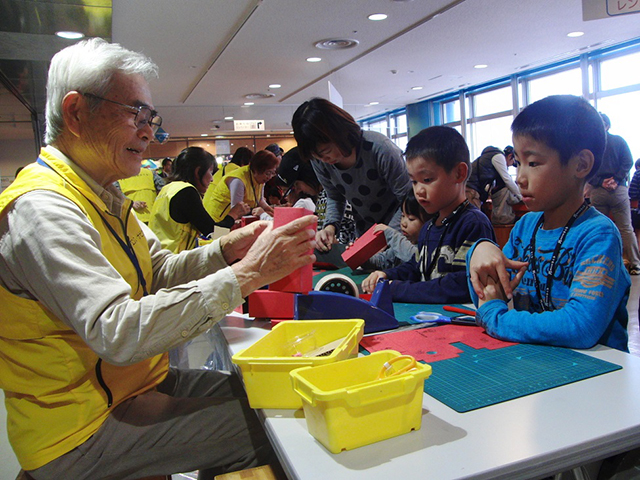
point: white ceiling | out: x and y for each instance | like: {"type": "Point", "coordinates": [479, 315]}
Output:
{"type": "Point", "coordinates": [213, 52]}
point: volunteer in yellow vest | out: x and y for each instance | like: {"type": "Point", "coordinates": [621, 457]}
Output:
{"type": "Point", "coordinates": [141, 189]}
{"type": "Point", "coordinates": [245, 184]}
{"type": "Point", "coordinates": [241, 157]}
{"type": "Point", "coordinates": [178, 216]}
{"type": "Point", "coordinates": [91, 302]}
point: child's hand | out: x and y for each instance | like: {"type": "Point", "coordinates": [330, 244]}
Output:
{"type": "Point", "coordinates": [492, 291]}
{"type": "Point", "coordinates": [369, 283]}
{"type": "Point", "coordinates": [488, 262]}
{"type": "Point", "coordinates": [381, 227]}
{"type": "Point", "coordinates": [325, 238]}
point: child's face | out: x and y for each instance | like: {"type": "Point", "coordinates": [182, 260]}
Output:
{"type": "Point", "coordinates": [544, 182]}
{"type": "Point", "coordinates": [411, 225]}
{"type": "Point", "coordinates": [435, 189]}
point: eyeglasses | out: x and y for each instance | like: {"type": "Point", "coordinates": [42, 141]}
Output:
{"type": "Point", "coordinates": [269, 173]}
{"type": "Point", "coordinates": [143, 115]}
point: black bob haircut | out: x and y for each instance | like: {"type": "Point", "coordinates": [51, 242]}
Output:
{"type": "Point", "coordinates": [318, 121]}
{"type": "Point", "coordinates": [565, 123]}
{"type": "Point", "coordinates": [443, 145]}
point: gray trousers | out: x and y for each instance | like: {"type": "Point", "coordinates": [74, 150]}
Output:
{"type": "Point", "coordinates": [197, 419]}
{"type": "Point", "coordinates": [617, 205]}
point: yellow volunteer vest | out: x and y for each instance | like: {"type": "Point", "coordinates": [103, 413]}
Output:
{"type": "Point", "coordinates": [208, 195]}
{"type": "Point", "coordinates": [173, 236]}
{"type": "Point", "coordinates": [54, 398]}
{"type": "Point", "coordinates": [140, 188]}
{"type": "Point", "coordinates": [220, 203]}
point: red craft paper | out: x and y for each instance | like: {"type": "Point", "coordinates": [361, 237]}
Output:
{"type": "Point", "coordinates": [433, 343]}
{"type": "Point", "coordinates": [364, 248]}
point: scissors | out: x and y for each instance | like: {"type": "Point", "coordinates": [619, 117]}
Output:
{"type": "Point", "coordinates": [436, 318]}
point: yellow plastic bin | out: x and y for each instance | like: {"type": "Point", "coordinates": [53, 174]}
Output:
{"type": "Point", "coordinates": [266, 364]}
{"type": "Point", "coordinates": [346, 406]}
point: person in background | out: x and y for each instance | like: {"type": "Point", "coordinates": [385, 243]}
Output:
{"type": "Point", "coordinates": [490, 176]}
{"type": "Point", "coordinates": [438, 164]}
{"type": "Point", "coordinates": [244, 185]}
{"type": "Point", "coordinates": [363, 168]}
{"type": "Point", "coordinates": [609, 194]}
{"type": "Point", "coordinates": [241, 157]}
{"type": "Point", "coordinates": [178, 216]}
{"type": "Point", "coordinates": [562, 265]}
{"type": "Point", "coordinates": [634, 198]}
{"type": "Point", "coordinates": [401, 246]}
{"type": "Point", "coordinates": [275, 149]}
{"type": "Point", "coordinates": [91, 303]}
{"type": "Point", "coordinates": [167, 166]}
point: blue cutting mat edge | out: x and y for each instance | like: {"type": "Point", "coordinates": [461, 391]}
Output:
{"type": "Point", "coordinates": [477, 387]}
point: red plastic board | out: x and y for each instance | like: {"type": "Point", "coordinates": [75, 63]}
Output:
{"type": "Point", "coordinates": [364, 248]}
{"type": "Point", "coordinates": [271, 304]}
{"type": "Point", "coordinates": [299, 281]}
{"type": "Point", "coordinates": [433, 343]}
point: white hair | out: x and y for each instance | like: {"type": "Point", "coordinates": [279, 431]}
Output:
{"type": "Point", "coordinates": [88, 67]}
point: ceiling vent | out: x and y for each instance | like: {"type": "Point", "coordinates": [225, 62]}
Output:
{"type": "Point", "coordinates": [258, 96]}
{"type": "Point", "coordinates": [336, 43]}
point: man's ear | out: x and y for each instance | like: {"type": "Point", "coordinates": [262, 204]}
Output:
{"type": "Point", "coordinates": [461, 171]}
{"type": "Point", "coordinates": [73, 104]}
{"type": "Point", "coordinates": [584, 161]}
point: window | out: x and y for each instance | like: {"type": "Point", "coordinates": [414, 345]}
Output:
{"type": "Point", "coordinates": [620, 71]}
{"type": "Point", "coordinates": [451, 112]}
{"type": "Point", "coordinates": [495, 132]}
{"type": "Point", "coordinates": [493, 101]}
{"type": "Point", "coordinates": [568, 82]}
{"type": "Point", "coordinates": [393, 125]}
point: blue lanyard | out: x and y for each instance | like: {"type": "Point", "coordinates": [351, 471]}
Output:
{"type": "Point", "coordinates": [545, 302]}
{"type": "Point", "coordinates": [126, 246]}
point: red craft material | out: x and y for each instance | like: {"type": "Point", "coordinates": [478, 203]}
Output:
{"type": "Point", "coordinates": [364, 248]}
{"type": "Point", "coordinates": [271, 304]}
{"type": "Point", "coordinates": [299, 281]}
{"type": "Point", "coordinates": [433, 343]}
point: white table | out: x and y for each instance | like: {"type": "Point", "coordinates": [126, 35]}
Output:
{"type": "Point", "coordinates": [529, 437]}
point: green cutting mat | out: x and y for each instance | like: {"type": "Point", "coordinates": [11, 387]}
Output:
{"type": "Point", "coordinates": [480, 377]}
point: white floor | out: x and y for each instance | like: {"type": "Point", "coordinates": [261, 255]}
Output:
{"type": "Point", "coordinates": [201, 347]}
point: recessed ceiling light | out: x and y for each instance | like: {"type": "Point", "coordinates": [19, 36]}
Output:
{"type": "Point", "coordinates": [204, 134]}
{"type": "Point", "coordinates": [70, 35]}
{"type": "Point", "coordinates": [336, 43]}
{"type": "Point", "coordinates": [248, 104]}
{"type": "Point", "coordinates": [480, 66]}
{"type": "Point", "coordinates": [377, 16]}
{"type": "Point", "coordinates": [314, 59]}
{"type": "Point", "coordinates": [374, 103]}
{"type": "Point", "coordinates": [275, 85]}
{"type": "Point", "coordinates": [228, 118]}
{"type": "Point", "coordinates": [575, 34]}
{"type": "Point", "coordinates": [417, 87]}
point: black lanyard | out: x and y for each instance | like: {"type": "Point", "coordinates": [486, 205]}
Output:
{"type": "Point", "coordinates": [545, 302]}
{"type": "Point", "coordinates": [126, 246]}
{"type": "Point", "coordinates": [428, 268]}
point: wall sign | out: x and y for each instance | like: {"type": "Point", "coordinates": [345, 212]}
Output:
{"type": "Point", "coordinates": [245, 125]}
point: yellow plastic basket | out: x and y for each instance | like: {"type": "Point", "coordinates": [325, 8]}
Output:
{"type": "Point", "coordinates": [266, 364]}
{"type": "Point", "coordinates": [346, 406]}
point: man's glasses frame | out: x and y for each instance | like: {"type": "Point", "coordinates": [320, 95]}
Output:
{"type": "Point", "coordinates": [143, 115]}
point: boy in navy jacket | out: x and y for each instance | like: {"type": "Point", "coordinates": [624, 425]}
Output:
{"type": "Point", "coordinates": [438, 165]}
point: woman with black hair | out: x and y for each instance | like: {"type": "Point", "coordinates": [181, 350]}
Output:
{"type": "Point", "coordinates": [363, 168]}
{"type": "Point", "coordinates": [178, 215]}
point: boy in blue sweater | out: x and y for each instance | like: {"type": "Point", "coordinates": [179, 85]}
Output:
{"type": "Point", "coordinates": [568, 282]}
{"type": "Point", "coordinates": [438, 165]}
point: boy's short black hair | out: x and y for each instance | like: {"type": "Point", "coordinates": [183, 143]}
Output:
{"type": "Point", "coordinates": [565, 123]}
{"type": "Point", "coordinates": [444, 145]}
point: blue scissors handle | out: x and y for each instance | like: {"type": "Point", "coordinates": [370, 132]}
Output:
{"type": "Point", "coordinates": [435, 317]}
